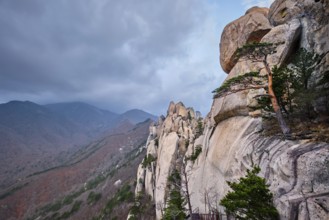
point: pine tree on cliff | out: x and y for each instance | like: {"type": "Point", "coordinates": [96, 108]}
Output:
{"type": "Point", "coordinates": [250, 198]}
{"type": "Point", "coordinates": [175, 205]}
{"type": "Point", "coordinates": [258, 52]}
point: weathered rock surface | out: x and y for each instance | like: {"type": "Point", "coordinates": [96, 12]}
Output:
{"type": "Point", "coordinates": [232, 141]}
{"type": "Point", "coordinates": [167, 139]}
{"type": "Point", "coordinates": [302, 26]}
{"type": "Point", "coordinates": [281, 11]}
{"type": "Point", "coordinates": [314, 19]}
{"type": "Point", "coordinates": [297, 172]}
{"type": "Point", "coordinates": [230, 105]}
{"type": "Point", "coordinates": [249, 28]}
{"type": "Point", "coordinates": [244, 66]}
{"type": "Point", "coordinates": [295, 177]}
{"type": "Point", "coordinates": [288, 37]}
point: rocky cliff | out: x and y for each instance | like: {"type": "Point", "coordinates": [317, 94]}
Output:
{"type": "Point", "coordinates": [233, 138]}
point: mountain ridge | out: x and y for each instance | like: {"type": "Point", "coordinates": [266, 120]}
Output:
{"type": "Point", "coordinates": [30, 132]}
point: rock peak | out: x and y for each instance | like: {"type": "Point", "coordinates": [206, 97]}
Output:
{"type": "Point", "coordinates": [257, 9]}
{"type": "Point", "coordinates": [249, 28]}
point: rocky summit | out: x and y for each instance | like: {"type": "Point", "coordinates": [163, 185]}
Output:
{"type": "Point", "coordinates": [231, 136]}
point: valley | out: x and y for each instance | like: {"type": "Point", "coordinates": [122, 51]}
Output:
{"type": "Point", "coordinates": [64, 178]}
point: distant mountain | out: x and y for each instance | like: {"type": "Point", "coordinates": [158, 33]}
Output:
{"type": "Point", "coordinates": [35, 137]}
{"type": "Point", "coordinates": [136, 115]}
{"type": "Point", "coordinates": [88, 115]}
{"type": "Point", "coordinates": [35, 124]}
{"type": "Point", "coordinates": [31, 138]}
{"type": "Point", "coordinates": [96, 175]}
{"type": "Point", "coordinates": [91, 118]}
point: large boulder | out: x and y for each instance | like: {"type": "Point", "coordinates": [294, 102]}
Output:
{"type": "Point", "coordinates": [241, 103]}
{"type": "Point", "coordinates": [229, 106]}
{"type": "Point", "coordinates": [244, 66]}
{"type": "Point", "coordinates": [249, 28]}
{"type": "Point", "coordinates": [287, 36]}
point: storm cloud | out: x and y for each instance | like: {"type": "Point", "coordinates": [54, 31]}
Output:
{"type": "Point", "coordinates": [116, 55]}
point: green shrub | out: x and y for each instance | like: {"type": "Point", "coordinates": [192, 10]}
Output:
{"type": "Point", "coordinates": [148, 160]}
{"type": "Point", "coordinates": [247, 78]}
{"type": "Point", "coordinates": [195, 154]}
{"type": "Point", "coordinates": [55, 206]}
{"type": "Point", "coordinates": [175, 204]}
{"type": "Point", "coordinates": [93, 197]}
{"type": "Point", "coordinates": [95, 182]}
{"type": "Point", "coordinates": [68, 199]}
{"type": "Point", "coordinates": [199, 128]}
{"type": "Point", "coordinates": [68, 214]}
{"type": "Point", "coordinates": [250, 198]}
{"type": "Point", "coordinates": [187, 143]}
{"type": "Point", "coordinates": [76, 206]}
{"type": "Point", "coordinates": [124, 194]}
{"type": "Point", "coordinates": [143, 207]}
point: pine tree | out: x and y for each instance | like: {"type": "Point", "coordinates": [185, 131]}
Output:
{"type": "Point", "coordinates": [303, 67]}
{"type": "Point", "coordinates": [175, 206]}
{"type": "Point", "coordinates": [250, 198]}
{"type": "Point", "coordinates": [259, 52]}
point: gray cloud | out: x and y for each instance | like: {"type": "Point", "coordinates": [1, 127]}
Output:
{"type": "Point", "coordinates": [114, 54]}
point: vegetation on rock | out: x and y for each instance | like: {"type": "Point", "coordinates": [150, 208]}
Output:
{"type": "Point", "coordinates": [93, 197]}
{"type": "Point", "coordinates": [124, 194]}
{"type": "Point", "coordinates": [296, 85]}
{"type": "Point", "coordinates": [175, 205]}
{"type": "Point", "coordinates": [295, 88]}
{"type": "Point", "coordinates": [199, 129]}
{"type": "Point", "coordinates": [143, 207]}
{"type": "Point", "coordinates": [195, 154]}
{"type": "Point", "coordinates": [148, 160]}
{"type": "Point", "coordinates": [250, 198]}
{"type": "Point", "coordinates": [246, 81]}
{"type": "Point", "coordinates": [259, 52]}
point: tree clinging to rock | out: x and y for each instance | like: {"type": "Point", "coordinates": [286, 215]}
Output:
{"type": "Point", "coordinates": [259, 52]}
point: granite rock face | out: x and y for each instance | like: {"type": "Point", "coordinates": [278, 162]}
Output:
{"type": "Point", "coordinates": [297, 172]}
{"type": "Point", "coordinates": [232, 142]}
{"type": "Point", "coordinates": [167, 139]}
{"type": "Point", "coordinates": [282, 11]}
{"type": "Point", "coordinates": [249, 28]}
{"type": "Point", "coordinates": [313, 16]}
{"type": "Point", "coordinates": [287, 36]}
{"type": "Point", "coordinates": [293, 25]}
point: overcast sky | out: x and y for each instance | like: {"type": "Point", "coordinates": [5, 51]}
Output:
{"type": "Point", "coordinates": [114, 54]}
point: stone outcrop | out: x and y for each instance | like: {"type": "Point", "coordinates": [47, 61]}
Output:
{"type": "Point", "coordinates": [282, 11]}
{"type": "Point", "coordinates": [249, 28]}
{"type": "Point", "coordinates": [168, 138]}
{"type": "Point", "coordinates": [287, 36]}
{"type": "Point", "coordinates": [295, 177]}
{"type": "Point", "coordinates": [313, 16]}
{"type": "Point", "coordinates": [232, 141]}
{"type": "Point", "coordinates": [300, 26]}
